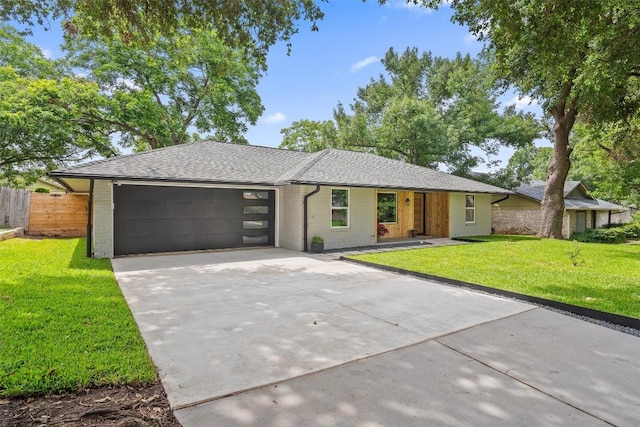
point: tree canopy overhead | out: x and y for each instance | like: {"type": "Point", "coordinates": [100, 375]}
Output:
{"type": "Point", "coordinates": [252, 24]}
{"type": "Point", "coordinates": [157, 96]}
{"type": "Point", "coordinates": [427, 111]}
{"type": "Point", "coordinates": [43, 112]}
{"type": "Point", "coordinates": [573, 56]}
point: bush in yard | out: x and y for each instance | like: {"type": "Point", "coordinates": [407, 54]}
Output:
{"type": "Point", "coordinates": [632, 230]}
{"type": "Point", "coordinates": [601, 235]}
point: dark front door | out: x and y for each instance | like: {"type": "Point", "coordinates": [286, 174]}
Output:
{"type": "Point", "coordinates": [149, 219]}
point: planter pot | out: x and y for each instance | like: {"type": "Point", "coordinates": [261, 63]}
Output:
{"type": "Point", "coordinates": [413, 233]}
{"type": "Point", "coordinates": [317, 248]}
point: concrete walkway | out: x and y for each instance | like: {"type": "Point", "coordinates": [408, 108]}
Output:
{"type": "Point", "coordinates": [273, 337]}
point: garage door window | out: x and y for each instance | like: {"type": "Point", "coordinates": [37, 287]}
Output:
{"type": "Point", "coordinates": [251, 225]}
{"type": "Point", "coordinates": [255, 210]}
{"type": "Point", "coordinates": [256, 195]}
{"type": "Point", "coordinates": [255, 240]}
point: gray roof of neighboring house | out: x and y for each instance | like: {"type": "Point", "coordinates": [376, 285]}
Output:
{"type": "Point", "coordinates": [535, 190]}
{"type": "Point", "coordinates": [215, 162]}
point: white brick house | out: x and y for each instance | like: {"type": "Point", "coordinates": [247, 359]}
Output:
{"type": "Point", "coordinates": [209, 195]}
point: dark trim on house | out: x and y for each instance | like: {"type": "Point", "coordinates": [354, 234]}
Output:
{"type": "Point", "coordinates": [501, 200]}
{"type": "Point", "coordinates": [160, 180]}
{"type": "Point", "coordinates": [616, 319]}
{"type": "Point", "coordinates": [382, 187]}
{"type": "Point", "coordinates": [64, 184]}
{"type": "Point", "coordinates": [89, 221]}
{"type": "Point", "coordinates": [305, 214]}
{"type": "Point", "coordinates": [59, 176]}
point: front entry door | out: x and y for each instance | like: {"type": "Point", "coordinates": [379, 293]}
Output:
{"type": "Point", "coordinates": [581, 222]}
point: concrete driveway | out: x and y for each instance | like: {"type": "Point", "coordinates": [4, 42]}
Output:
{"type": "Point", "coordinates": [274, 337]}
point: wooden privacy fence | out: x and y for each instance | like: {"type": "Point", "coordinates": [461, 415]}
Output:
{"type": "Point", "coordinates": [14, 207]}
{"type": "Point", "coordinates": [58, 215]}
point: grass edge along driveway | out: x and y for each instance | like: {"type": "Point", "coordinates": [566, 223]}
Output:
{"type": "Point", "coordinates": [605, 277]}
{"type": "Point", "coordinates": [64, 324]}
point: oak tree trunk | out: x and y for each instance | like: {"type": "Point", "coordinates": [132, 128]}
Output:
{"type": "Point", "coordinates": [553, 202]}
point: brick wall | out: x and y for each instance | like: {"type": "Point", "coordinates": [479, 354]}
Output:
{"type": "Point", "coordinates": [291, 215]}
{"type": "Point", "coordinates": [102, 219]}
{"type": "Point", "coordinates": [362, 221]}
{"type": "Point", "coordinates": [515, 221]}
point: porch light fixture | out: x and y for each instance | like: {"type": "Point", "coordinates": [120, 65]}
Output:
{"type": "Point", "coordinates": [407, 202]}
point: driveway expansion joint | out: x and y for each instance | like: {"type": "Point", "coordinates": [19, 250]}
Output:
{"type": "Point", "coordinates": [507, 374]}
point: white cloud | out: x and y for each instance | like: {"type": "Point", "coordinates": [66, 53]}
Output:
{"type": "Point", "coordinates": [522, 102]}
{"type": "Point", "coordinates": [470, 38]}
{"type": "Point", "coordinates": [48, 53]}
{"type": "Point", "coordinates": [411, 7]}
{"type": "Point", "coordinates": [274, 118]}
{"type": "Point", "coordinates": [364, 63]}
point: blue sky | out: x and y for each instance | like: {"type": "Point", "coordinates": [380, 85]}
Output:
{"type": "Point", "coordinates": [329, 65]}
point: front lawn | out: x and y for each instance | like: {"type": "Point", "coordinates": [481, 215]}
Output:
{"type": "Point", "coordinates": [64, 324]}
{"type": "Point", "coordinates": [606, 277]}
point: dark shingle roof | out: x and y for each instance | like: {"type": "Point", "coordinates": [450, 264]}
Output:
{"type": "Point", "coordinates": [214, 162]}
{"type": "Point", "coordinates": [202, 161]}
{"type": "Point", "coordinates": [340, 167]}
{"type": "Point", "coordinates": [535, 190]}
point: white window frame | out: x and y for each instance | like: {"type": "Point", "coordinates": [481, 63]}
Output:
{"type": "Point", "coordinates": [470, 208]}
{"type": "Point", "coordinates": [347, 208]}
{"type": "Point", "coordinates": [395, 193]}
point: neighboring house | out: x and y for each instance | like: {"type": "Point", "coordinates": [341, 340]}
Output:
{"type": "Point", "coordinates": [53, 186]}
{"type": "Point", "coordinates": [520, 213]}
{"type": "Point", "coordinates": [209, 195]}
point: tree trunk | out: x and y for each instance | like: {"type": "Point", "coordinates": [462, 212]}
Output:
{"type": "Point", "coordinates": [553, 202]}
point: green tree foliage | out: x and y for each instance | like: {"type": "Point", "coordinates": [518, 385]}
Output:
{"type": "Point", "coordinates": [254, 25]}
{"type": "Point", "coordinates": [605, 158]}
{"type": "Point", "coordinates": [309, 135]}
{"type": "Point", "coordinates": [574, 56]}
{"type": "Point", "coordinates": [426, 111]}
{"type": "Point", "coordinates": [158, 94]}
{"type": "Point", "coordinates": [42, 123]}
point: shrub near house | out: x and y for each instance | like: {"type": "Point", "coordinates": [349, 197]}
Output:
{"type": "Point", "coordinates": [617, 233]}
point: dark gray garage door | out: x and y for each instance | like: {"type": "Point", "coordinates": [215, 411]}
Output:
{"type": "Point", "coordinates": [150, 219]}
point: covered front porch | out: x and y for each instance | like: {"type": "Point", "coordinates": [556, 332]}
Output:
{"type": "Point", "coordinates": [411, 216]}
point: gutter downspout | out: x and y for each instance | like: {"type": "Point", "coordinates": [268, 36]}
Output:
{"type": "Point", "coordinates": [89, 221]}
{"type": "Point", "coordinates": [500, 200]}
{"type": "Point", "coordinates": [306, 220]}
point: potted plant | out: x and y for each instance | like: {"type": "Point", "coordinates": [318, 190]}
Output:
{"type": "Point", "coordinates": [413, 233]}
{"type": "Point", "coordinates": [382, 230]}
{"type": "Point", "coordinates": [317, 244]}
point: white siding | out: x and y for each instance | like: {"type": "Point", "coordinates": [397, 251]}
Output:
{"type": "Point", "coordinates": [362, 221]}
{"type": "Point", "coordinates": [457, 225]}
{"type": "Point", "coordinates": [102, 219]}
{"type": "Point", "coordinates": [290, 216]}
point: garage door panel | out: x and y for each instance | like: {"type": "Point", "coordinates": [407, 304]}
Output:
{"type": "Point", "coordinates": [151, 219]}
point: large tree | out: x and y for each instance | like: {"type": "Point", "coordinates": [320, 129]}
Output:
{"type": "Point", "coordinates": [573, 56]}
{"type": "Point", "coordinates": [251, 24]}
{"type": "Point", "coordinates": [42, 113]}
{"type": "Point", "coordinates": [159, 95]}
{"type": "Point", "coordinates": [426, 111]}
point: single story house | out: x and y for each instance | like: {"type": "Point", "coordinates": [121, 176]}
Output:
{"type": "Point", "coordinates": [520, 213]}
{"type": "Point", "coordinates": [210, 195]}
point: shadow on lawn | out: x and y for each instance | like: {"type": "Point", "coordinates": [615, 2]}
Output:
{"type": "Point", "coordinates": [79, 259]}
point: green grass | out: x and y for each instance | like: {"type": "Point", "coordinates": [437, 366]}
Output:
{"type": "Point", "coordinates": [607, 277]}
{"type": "Point", "coordinates": [64, 324]}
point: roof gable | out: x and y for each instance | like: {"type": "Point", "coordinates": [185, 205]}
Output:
{"type": "Point", "coordinates": [576, 196]}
